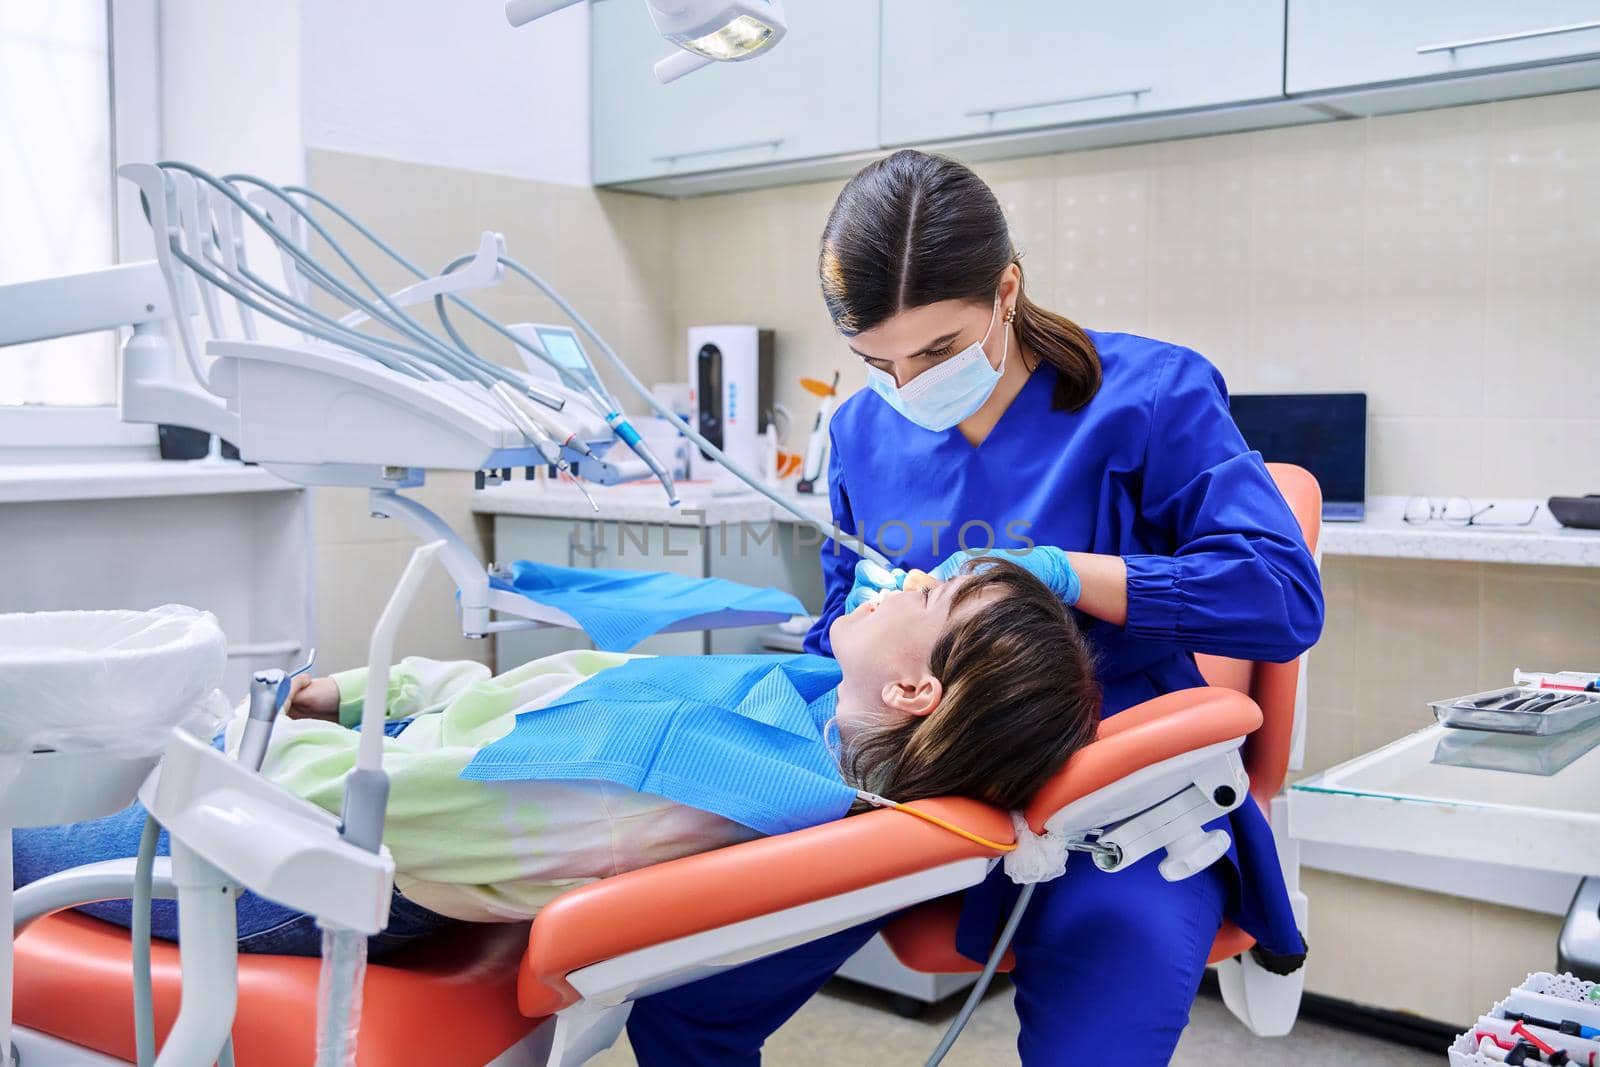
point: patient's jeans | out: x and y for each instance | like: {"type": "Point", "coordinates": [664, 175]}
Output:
{"type": "Point", "coordinates": [263, 925]}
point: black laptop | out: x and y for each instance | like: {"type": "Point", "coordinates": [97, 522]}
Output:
{"type": "Point", "coordinates": [1326, 433]}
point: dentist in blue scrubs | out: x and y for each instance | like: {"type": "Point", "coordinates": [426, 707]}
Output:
{"type": "Point", "coordinates": [1107, 463]}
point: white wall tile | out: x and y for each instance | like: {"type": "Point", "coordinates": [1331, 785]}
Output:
{"type": "Point", "coordinates": [1426, 206]}
{"type": "Point", "coordinates": [1530, 455]}
{"type": "Point", "coordinates": [1201, 250]}
{"type": "Point", "coordinates": [1544, 283]}
{"type": "Point", "coordinates": [1418, 642]}
{"type": "Point", "coordinates": [1425, 456]}
{"type": "Point", "coordinates": [1102, 213]}
{"type": "Point", "coordinates": [1307, 256]}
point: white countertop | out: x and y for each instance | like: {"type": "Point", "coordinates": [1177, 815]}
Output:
{"type": "Point", "coordinates": [33, 483]}
{"type": "Point", "coordinates": [642, 501]}
{"type": "Point", "coordinates": [1382, 534]}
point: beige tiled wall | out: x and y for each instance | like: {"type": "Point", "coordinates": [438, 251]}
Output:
{"type": "Point", "coordinates": [1445, 262]}
{"type": "Point", "coordinates": [607, 253]}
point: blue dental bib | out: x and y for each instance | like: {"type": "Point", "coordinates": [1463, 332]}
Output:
{"type": "Point", "coordinates": [743, 737]}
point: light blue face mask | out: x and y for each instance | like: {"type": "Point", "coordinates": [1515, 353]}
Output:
{"type": "Point", "coordinates": [938, 399]}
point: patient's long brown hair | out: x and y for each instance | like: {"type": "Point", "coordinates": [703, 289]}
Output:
{"type": "Point", "coordinates": [1019, 698]}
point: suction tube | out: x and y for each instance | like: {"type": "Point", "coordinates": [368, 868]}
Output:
{"type": "Point", "coordinates": [366, 796]}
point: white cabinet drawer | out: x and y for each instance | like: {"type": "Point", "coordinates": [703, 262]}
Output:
{"type": "Point", "coordinates": [1337, 44]}
{"type": "Point", "coordinates": [959, 68]}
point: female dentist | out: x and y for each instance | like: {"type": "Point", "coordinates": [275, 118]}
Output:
{"type": "Point", "coordinates": [991, 423]}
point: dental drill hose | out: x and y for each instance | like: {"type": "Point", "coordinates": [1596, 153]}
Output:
{"type": "Point", "coordinates": [981, 987]}
{"type": "Point", "coordinates": [624, 429]}
{"type": "Point", "coordinates": [857, 545]}
{"type": "Point", "coordinates": [144, 1012]}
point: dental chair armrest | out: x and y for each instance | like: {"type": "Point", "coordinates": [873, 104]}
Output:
{"type": "Point", "coordinates": [1142, 736]}
{"type": "Point", "coordinates": [704, 892]}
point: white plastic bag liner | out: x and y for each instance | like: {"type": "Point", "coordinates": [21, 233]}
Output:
{"type": "Point", "coordinates": [340, 989]}
{"type": "Point", "coordinates": [105, 681]}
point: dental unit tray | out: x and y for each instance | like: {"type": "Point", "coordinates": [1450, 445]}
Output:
{"type": "Point", "coordinates": [1519, 709]}
{"type": "Point", "coordinates": [323, 377]}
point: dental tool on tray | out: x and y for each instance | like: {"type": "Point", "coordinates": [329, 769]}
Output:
{"type": "Point", "coordinates": [1536, 702]}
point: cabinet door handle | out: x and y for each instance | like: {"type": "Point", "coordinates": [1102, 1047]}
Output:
{"type": "Point", "coordinates": [1478, 42]}
{"type": "Point", "coordinates": [1004, 109]}
{"type": "Point", "coordinates": [773, 144]}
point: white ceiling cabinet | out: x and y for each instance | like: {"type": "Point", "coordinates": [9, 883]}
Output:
{"type": "Point", "coordinates": [957, 69]}
{"type": "Point", "coordinates": [986, 79]}
{"type": "Point", "coordinates": [1343, 44]}
{"type": "Point", "coordinates": [815, 95]}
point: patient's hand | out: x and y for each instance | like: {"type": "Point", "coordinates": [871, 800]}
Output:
{"type": "Point", "coordinates": [314, 698]}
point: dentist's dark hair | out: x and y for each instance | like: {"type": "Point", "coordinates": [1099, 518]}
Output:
{"type": "Point", "coordinates": [913, 229]}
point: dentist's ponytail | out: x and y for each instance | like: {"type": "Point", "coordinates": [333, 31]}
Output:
{"type": "Point", "coordinates": [1061, 343]}
{"type": "Point", "coordinates": [913, 229]}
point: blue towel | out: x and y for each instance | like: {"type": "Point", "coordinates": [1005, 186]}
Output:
{"type": "Point", "coordinates": [620, 608]}
{"type": "Point", "coordinates": [744, 737]}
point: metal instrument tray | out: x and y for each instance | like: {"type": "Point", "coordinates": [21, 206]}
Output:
{"type": "Point", "coordinates": [1478, 711]}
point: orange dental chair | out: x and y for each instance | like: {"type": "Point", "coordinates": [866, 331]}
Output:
{"type": "Point", "coordinates": [558, 991]}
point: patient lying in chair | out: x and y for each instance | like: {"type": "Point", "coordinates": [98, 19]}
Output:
{"type": "Point", "coordinates": [979, 687]}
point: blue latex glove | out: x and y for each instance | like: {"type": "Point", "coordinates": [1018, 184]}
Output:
{"type": "Point", "coordinates": [872, 579]}
{"type": "Point", "coordinates": [1044, 562]}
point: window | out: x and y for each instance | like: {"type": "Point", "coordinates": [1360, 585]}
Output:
{"type": "Point", "coordinates": [78, 92]}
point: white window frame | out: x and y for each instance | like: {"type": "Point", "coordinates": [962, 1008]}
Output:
{"type": "Point", "coordinates": [63, 433]}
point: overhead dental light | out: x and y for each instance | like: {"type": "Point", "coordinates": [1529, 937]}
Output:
{"type": "Point", "coordinates": [705, 31]}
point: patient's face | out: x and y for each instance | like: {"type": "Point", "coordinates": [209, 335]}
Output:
{"type": "Point", "coordinates": [883, 651]}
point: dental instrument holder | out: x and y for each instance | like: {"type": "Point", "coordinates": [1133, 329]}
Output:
{"type": "Point", "coordinates": [318, 414]}
{"type": "Point", "coordinates": [230, 827]}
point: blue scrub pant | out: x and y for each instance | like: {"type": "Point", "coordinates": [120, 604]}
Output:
{"type": "Point", "coordinates": [1105, 962]}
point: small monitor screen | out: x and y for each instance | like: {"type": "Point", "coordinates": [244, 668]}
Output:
{"type": "Point", "coordinates": [1326, 433]}
{"type": "Point", "coordinates": [563, 347]}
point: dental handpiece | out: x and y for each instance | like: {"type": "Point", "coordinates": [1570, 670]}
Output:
{"type": "Point", "coordinates": [624, 429]}
{"type": "Point", "coordinates": [526, 425]}
{"type": "Point", "coordinates": [269, 692]}
{"type": "Point", "coordinates": [529, 426]}
{"type": "Point", "coordinates": [563, 432]}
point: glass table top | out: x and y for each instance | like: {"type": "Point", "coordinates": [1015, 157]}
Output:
{"type": "Point", "coordinates": [1474, 768]}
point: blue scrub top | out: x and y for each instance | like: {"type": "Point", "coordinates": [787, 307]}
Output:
{"type": "Point", "coordinates": [1152, 469]}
